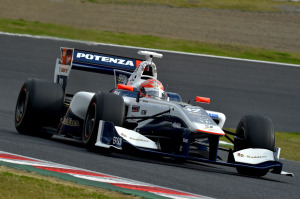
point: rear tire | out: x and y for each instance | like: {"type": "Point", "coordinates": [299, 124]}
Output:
{"type": "Point", "coordinates": [254, 131]}
{"type": "Point", "coordinates": [103, 106]}
{"type": "Point", "coordinates": [39, 105]}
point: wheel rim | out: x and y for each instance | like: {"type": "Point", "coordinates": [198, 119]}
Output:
{"type": "Point", "coordinates": [242, 133]}
{"type": "Point", "coordinates": [90, 122]}
{"type": "Point", "coordinates": [240, 136]}
{"type": "Point", "coordinates": [21, 106]}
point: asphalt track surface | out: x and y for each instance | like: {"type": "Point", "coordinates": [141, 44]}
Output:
{"type": "Point", "coordinates": [235, 87]}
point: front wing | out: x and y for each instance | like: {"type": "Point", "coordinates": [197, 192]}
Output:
{"type": "Point", "coordinates": [116, 137]}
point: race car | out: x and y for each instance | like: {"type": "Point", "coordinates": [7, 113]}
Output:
{"type": "Point", "coordinates": [138, 114]}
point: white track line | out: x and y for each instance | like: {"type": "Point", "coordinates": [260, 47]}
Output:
{"type": "Point", "coordinates": [141, 48]}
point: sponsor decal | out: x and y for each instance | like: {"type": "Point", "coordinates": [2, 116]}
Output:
{"type": "Point", "coordinates": [135, 108]}
{"type": "Point", "coordinates": [103, 58]}
{"type": "Point", "coordinates": [123, 135]}
{"type": "Point", "coordinates": [193, 110]}
{"type": "Point", "coordinates": [251, 157]}
{"type": "Point", "coordinates": [117, 141]}
{"type": "Point", "coordinates": [69, 122]}
{"type": "Point", "coordinates": [122, 79]}
{"type": "Point", "coordinates": [62, 81]}
{"type": "Point", "coordinates": [66, 55]}
{"type": "Point", "coordinates": [263, 156]}
{"type": "Point", "coordinates": [185, 140]}
{"type": "Point", "coordinates": [176, 125]}
{"type": "Point", "coordinates": [137, 139]}
{"type": "Point", "coordinates": [63, 70]}
{"type": "Point", "coordinates": [121, 76]}
{"type": "Point", "coordinates": [209, 127]}
{"type": "Point", "coordinates": [240, 155]}
{"type": "Point", "coordinates": [117, 92]}
{"type": "Point", "coordinates": [214, 116]}
{"type": "Point", "coordinates": [144, 112]}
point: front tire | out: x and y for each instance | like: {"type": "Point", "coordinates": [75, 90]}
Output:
{"type": "Point", "coordinates": [103, 106]}
{"type": "Point", "coordinates": [39, 105]}
{"type": "Point", "coordinates": [254, 131]}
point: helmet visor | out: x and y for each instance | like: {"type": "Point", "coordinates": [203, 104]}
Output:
{"type": "Point", "coordinates": [156, 93]}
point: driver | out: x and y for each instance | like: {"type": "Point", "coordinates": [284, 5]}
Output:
{"type": "Point", "coordinates": [153, 88]}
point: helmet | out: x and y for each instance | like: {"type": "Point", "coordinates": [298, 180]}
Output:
{"type": "Point", "coordinates": [153, 88]}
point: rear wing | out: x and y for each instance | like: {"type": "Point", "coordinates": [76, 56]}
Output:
{"type": "Point", "coordinates": [90, 61]}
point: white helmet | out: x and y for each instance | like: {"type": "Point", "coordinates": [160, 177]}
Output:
{"type": "Point", "coordinates": [152, 88]}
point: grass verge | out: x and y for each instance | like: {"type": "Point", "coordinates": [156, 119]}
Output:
{"type": "Point", "coordinates": [288, 142]}
{"type": "Point", "coordinates": [26, 185]}
{"type": "Point", "coordinates": [147, 41]}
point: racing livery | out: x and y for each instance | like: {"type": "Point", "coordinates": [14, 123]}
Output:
{"type": "Point", "coordinates": [138, 114]}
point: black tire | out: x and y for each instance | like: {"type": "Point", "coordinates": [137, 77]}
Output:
{"type": "Point", "coordinates": [103, 106]}
{"type": "Point", "coordinates": [254, 131]}
{"type": "Point", "coordinates": [39, 105]}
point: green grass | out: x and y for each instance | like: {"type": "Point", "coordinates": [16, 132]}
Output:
{"type": "Point", "coordinates": [147, 41]}
{"type": "Point", "coordinates": [288, 142]}
{"type": "Point", "coordinates": [25, 187]}
{"type": "Point", "coordinates": [244, 5]}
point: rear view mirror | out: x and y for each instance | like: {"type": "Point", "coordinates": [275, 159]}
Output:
{"type": "Point", "coordinates": [202, 99]}
{"type": "Point", "coordinates": [124, 87]}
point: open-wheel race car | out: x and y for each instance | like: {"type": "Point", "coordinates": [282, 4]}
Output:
{"type": "Point", "coordinates": [138, 114]}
